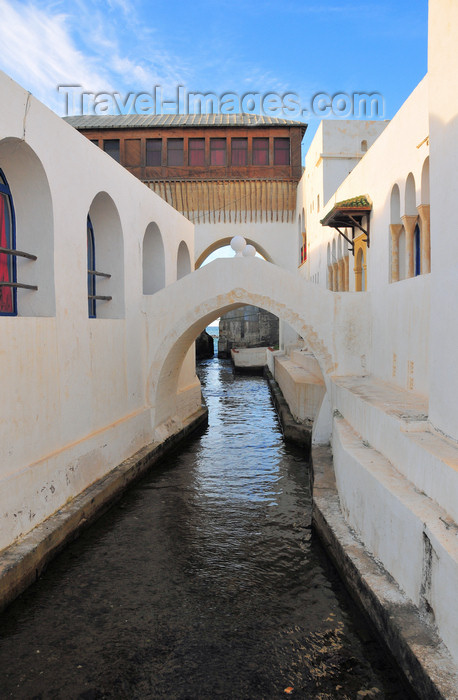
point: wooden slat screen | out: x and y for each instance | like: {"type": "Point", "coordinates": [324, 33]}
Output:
{"type": "Point", "coordinates": [230, 201]}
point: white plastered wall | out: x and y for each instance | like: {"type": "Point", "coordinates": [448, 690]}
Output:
{"type": "Point", "coordinates": [74, 388]}
{"type": "Point", "coordinates": [334, 152]}
{"type": "Point", "coordinates": [277, 240]}
{"type": "Point", "coordinates": [399, 311]}
{"type": "Point", "coordinates": [443, 131]}
{"type": "Point", "coordinates": [396, 479]}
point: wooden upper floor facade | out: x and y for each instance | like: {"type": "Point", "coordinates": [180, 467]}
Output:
{"type": "Point", "coordinates": [199, 147]}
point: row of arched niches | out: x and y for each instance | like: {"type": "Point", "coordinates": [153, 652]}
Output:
{"type": "Point", "coordinates": [410, 243]}
{"type": "Point", "coordinates": [408, 237]}
{"type": "Point", "coordinates": [31, 255]}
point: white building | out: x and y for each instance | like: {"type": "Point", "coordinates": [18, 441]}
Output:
{"type": "Point", "coordinates": [373, 307]}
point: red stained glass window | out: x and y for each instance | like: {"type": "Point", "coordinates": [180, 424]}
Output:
{"type": "Point", "coordinates": [196, 151]}
{"type": "Point", "coordinates": [7, 294]}
{"type": "Point", "coordinates": [304, 248]}
{"type": "Point", "coordinates": [260, 151]}
{"type": "Point", "coordinates": [281, 151]}
{"type": "Point", "coordinates": [239, 151]}
{"type": "Point", "coordinates": [217, 151]}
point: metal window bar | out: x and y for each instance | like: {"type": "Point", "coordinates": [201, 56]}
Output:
{"type": "Point", "coordinates": [99, 297]}
{"type": "Point", "coordinates": [18, 285]}
{"type": "Point", "coordinates": [99, 274]}
{"type": "Point", "coordinates": [22, 254]}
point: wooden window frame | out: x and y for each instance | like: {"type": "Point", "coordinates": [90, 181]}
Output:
{"type": "Point", "coordinates": [160, 151]}
{"type": "Point", "coordinates": [175, 140]}
{"type": "Point", "coordinates": [113, 141]}
{"type": "Point", "coordinates": [280, 140]}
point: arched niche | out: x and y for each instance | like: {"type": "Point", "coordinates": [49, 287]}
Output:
{"type": "Point", "coordinates": [395, 229]}
{"type": "Point", "coordinates": [425, 182]}
{"type": "Point", "coordinates": [153, 260]}
{"type": "Point", "coordinates": [32, 202]}
{"type": "Point", "coordinates": [300, 236]}
{"type": "Point", "coordinates": [339, 248]}
{"type": "Point", "coordinates": [360, 271]}
{"type": "Point", "coordinates": [417, 251]}
{"type": "Point", "coordinates": [410, 203]}
{"type": "Point", "coordinates": [109, 255]}
{"type": "Point", "coordinates": [395, 205]}
{"type": "Point", "coordinates": [330, 270]}
{"type": "Point", "coordinates": [425, 222]}
{"type": "Point", "coordinates": [402, 254]}
{"type": "Point", "coordinates": [183, 261]}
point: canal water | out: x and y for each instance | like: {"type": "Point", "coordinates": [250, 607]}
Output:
{"type": "Point", "coordinates": [205, 581]}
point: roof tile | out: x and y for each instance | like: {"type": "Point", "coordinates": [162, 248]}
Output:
{"type": "Point", "coordinates": [144, 121]}
{"type": "Point", "coordinates": [353, 203]}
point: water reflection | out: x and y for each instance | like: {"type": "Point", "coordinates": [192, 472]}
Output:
{"type": "Point", "coordinates": [205, 581]}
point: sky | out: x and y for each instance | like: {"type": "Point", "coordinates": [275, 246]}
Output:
{"type": "Point", "coordinates": [299, 47]}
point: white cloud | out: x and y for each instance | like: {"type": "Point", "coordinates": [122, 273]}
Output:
{"type": "Point", "coordinates": [106, 47]}
{"type": "Point", "coordinates": [39, 52]}
{"type": "Point", "coordinates": [45, 44]}
{"type": "Point", "coordinates": [124, 5]}
{"type": "Point", "coordinates": [123, 41]}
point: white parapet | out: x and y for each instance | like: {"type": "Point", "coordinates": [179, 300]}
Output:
{"type": "Point", "coordinates": [246, 358]}
{"type": "Point", "coordinates": [300, 379]}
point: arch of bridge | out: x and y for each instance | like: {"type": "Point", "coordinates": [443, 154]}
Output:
{"type": "Point", "coordinates": [196, 300]}
{"type": "Point", "coordinates": [225, 241]}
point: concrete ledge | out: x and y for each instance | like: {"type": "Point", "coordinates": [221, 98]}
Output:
{"type": "Point", "coordinates": [409, 533]}
{"type": "Point", "coordinates": [249, 360]}
{"type": "Point", "coordinates": [414, 643]}
{"type": "Point", "coordinates": [298, 433]}
{"type": "Point", "coordinates": [394, 422]}
{"type": "Point", "coordinates": [22, 563]}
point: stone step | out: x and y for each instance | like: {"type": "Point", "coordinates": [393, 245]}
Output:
{"type": "Point", "coordinates": [395, 422]}
{"type": "Point", "coordinates": [407, 531]}
{"type": "Point", "coordinates": [411, 638]}
{"type": "Point", "coordinates": [302, 388]}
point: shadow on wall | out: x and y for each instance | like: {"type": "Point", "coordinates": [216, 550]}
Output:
{"type": "Point", "coordinates": [183, 261]}
{"type": "Point", "coordinates": [153, 260]}
{"type": "Point", "coordinates": [108, 256]}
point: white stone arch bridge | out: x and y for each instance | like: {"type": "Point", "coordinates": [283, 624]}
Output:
{"type": "Point", "coordinates": [332, 325]}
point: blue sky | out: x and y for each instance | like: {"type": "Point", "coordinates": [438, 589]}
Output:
{"type": "Point", "coordinates": [300, 46]}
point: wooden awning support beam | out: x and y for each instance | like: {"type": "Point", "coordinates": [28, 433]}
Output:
{"type": "Point", "coordinates": [349, 240]}
{"type": "Point", "coordinates": [350, 222]}
{"type": "Point", "coordinates": [349, 214]}
{"type": "Point", "coordinates": [361, 228]}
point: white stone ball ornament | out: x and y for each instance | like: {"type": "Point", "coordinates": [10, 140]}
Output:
{"type": "Point", "coordinates": [249, 251]}
{"type": "Point", "coordinates": [238, 244]}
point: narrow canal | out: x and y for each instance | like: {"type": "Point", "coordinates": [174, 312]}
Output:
{"type": "Point", "coordinates": [204, 581]}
